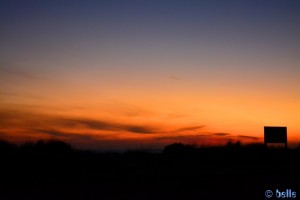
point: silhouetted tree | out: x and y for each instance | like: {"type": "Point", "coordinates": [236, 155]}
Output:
{"type": "Point", "coordinates": [178, 148]}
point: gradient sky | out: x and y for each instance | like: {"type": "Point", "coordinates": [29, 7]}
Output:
{"type": "Point", "coordinates": [143, 74]}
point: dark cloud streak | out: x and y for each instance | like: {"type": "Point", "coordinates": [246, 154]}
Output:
{"type": "Point", "coordinates": [108, 126]}
{"type": "Point", "coordinates": [221, 134]}
{"type": "Point", "coordinates": [247, 137]}
{"type": "Point", "coordinates": [191, 128]}
{"type": "Point", "coordinates": [63, 127]}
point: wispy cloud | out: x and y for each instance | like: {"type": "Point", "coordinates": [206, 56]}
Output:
{"type": "Point", "coordinates": [21, 95]}
{"type": "Point", "coordinates": [221, 134]}
{"type": "Point", "coordinates": [56, 133]}
{"type": "Point", "coordinates": [140, 129]}
{"type": "Point", "coordinates": [14, 118]}
{"type": "Point", "coordinates": [175, 78]}
{"type": "Point", "coordinates": [206, 138]}
{"type": "Point", "coordinates": [92, 130]}
{"type": "Point", "coordinates": [8, 94]}
{"type": "Point", "coordinates": [104, 125]}
{"type": "Point", "coordinates": [190, 128]}
{"type": "Point", "coordinates": [247, 137]}
{"type": "Point", "coordinates": [18, 72]}
{"type": "Point", "coordinates": [88, 123]}
{"type": "Point", "coordinates": [183, 137]}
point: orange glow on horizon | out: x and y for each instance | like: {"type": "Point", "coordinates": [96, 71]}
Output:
{"type": "Point", "coordinates": [137, 126]}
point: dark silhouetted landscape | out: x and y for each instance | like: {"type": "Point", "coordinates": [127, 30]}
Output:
{"type": "Point", "coordinates": [149, 100]}
{"type": "Point", "coordinates": [54, 170]}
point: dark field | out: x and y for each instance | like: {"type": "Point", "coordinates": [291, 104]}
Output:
{"type": "Point", "coordinates": [53, 170]}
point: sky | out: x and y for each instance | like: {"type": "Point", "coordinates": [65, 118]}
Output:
{"type": "Point", "coordinates": [127, 74]}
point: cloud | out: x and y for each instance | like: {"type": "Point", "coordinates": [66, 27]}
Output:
{"type": "Point", "coordinates": [96, 131]}
{"type": "Point", "coordinates": [51, 132]}
{"type": "Point", "coordinates": [18, 72]}
{"type": "Point", "coordinates": [205, 138]}
{"type": "Point", "coordinates": [247, 137]}
{"type": "Point", "coordinates": [89, 123]}
{"type": "Point", "coordinates": [139, 129]}
{"type": "Point", "coordinates": [26, 119]}
{"type": "Point", "coordinates": [108, 126]}
{"type": "Point", "coordinates": [221, 134]}
{"type": "Point", "coordinates": [97, 141]}
{"type": "Point", "coordinates": [175, 78]}
{"type": "Point", "coordinates": [8, 94]}
{"type": "Point", "coordinates": [184, 137]}
{"type": "Point", "coordinates": [20, 95]}
{"type": "Point", "coordinates": [56, 133]}
{"type": "Point", "coordinates": [191, 128]}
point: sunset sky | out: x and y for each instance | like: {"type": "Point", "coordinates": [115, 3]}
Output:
{"type": "Point", "coordinates": [142, 74]}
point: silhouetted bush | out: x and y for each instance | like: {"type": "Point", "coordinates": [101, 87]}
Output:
{"type": "Point", "coordinates": [6, 147]}
{"type": "Point", "coordinates": [235, 145]}
{"type": "Point", "coordinates": [52, 146]}
{"type": "Point", "coordinates": [178, 148]}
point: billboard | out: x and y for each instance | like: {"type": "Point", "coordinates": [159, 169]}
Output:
{"type": "Point", "coordinates": [275, 134]}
